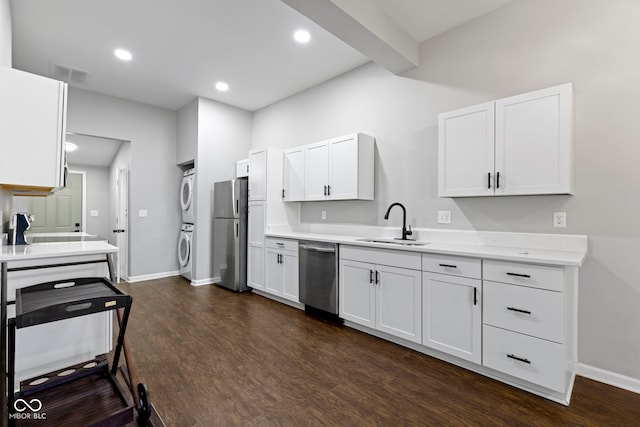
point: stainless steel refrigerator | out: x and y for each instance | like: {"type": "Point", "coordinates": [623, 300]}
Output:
{"type": "Point", "coordinates": [230, 200]}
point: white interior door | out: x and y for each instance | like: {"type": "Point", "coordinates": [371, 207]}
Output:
{"type": "Point", "coordinates": [122, 223]}
{"type": "Point", "coordinates": [61, 211]}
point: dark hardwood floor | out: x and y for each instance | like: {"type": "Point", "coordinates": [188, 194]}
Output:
{"type": "Point", "coordinates": [211, 357]}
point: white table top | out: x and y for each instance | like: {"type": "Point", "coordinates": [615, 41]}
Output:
{"type": "Point", "coordinates": [41, 251]}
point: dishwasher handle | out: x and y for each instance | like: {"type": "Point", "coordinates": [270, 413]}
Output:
{"type": "Point", "coordinates": [316, 248]}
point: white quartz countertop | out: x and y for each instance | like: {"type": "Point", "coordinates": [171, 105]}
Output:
{"type": "Point", "coordinates": [521, 252]}
{"type": "Point", "coordinates": [38, 251]}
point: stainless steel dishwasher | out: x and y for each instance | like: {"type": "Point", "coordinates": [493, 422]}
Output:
{"type": "Point", "coordinates": [318, 275]}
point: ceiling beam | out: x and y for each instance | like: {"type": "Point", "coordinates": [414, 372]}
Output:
{"type": "Point", "coordinates": [366, 28]}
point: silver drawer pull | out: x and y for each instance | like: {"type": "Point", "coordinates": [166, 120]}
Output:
{"type": "Point", "coordinates": [448, 265]}
{"type": "Point", "coordinates": [526, 276]}
{"type": "Point", "coordinates": [280, 244]}
{"type": "Point", "coordinates": [519, 359]}
{"type": "Point", "coordinates": [519, 310]}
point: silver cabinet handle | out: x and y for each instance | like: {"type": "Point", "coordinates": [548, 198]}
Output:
{"type": "Point", "coordinates": [316, 248]}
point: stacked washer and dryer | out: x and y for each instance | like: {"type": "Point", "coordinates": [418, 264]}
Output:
{"type": "Point", "coordinates": [185, 246]}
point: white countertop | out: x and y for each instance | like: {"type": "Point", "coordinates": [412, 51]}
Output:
{"type": "Point", "coordinates": [560, 250]}
{"type": "Point", "coordinates": [39, 251]}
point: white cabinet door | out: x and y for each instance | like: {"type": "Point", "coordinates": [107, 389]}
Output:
{"type": "Point", "coordinates": [316, 171]}
{"type": "Point", "coordinates": [242, 168]}
{"type": "Point", "coordinates": [293, 175]}
{"type": "Point", "coordinates": [289, 264]}
{"type": "Point", "coordinates": [466, 151]}
{"type": "Point", "coordinates": [258, 174]}
{"type": "Point", "coordinates": [255, 245]}
{"type": "Point", "coordinates": [33, 112]}
{"type": "Point", "coordinates": [399, 302]}
{"type": "Point", "coordinates": [357, 293]}
{"type": "Point", "coordinates": [452, 315]}
{"type": "Point", "coordinates": [274, 273]}
{"type": "Point", "coordinates": [534, 142]}
{"type": "Point", "coordinates": [343, 168]}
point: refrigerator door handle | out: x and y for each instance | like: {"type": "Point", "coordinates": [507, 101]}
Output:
{"type": "Point", "coordinates": [234, 206]}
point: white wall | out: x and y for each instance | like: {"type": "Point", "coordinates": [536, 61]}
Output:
{"type": "Point", "coordinates": [224, 134]}
{"type": "Point", "coordinates": [527, 45]}
{"type": "Point", "coordinates": [154, 179]}
{"type": "Point", "coordinates": [5, 60]}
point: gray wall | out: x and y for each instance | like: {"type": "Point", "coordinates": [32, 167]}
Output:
{"type": "Point", "coordinates": [97, 191]}
{"type": "Point", "coordinates": [224, 134]}
{"type": "Point", "coordinates": [154, 179]}
{"type": "Point", "coordinates": [527, 45]}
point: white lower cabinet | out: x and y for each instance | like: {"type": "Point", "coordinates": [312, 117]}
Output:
{"type": "Point", "coordinates": [452, 305]}
{"type": "Point", "coordinates": [451, 315]}
{"type": "Point", "coordinates": [382, 297]}
{"type": "Point", "coordinates": [255, 245]}
{"type": "Point", "coordinates": [528, 322]}
{"type": "Point", "coordinates": [281, 268]}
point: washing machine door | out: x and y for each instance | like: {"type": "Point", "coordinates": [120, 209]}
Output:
{"type": "Point", "coordinates": [186, 192]}
{"type": "Point", "coordinates": [184, 250]}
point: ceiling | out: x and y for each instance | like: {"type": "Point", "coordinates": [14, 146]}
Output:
{"type": "Point", "coordinates": [182, 47]}
{"type": "Point", "coordinates": [92, 150]}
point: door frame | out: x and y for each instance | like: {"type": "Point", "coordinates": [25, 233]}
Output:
{"type": "Point", "coordinates": [122, 211]}
{"type": "Point", "coordinates": [83, 227]}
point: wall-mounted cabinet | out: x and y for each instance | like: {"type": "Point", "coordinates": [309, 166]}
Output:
{"type": "Point", "coordinates": [521, 145]}
{"type": "Point", "coordinates": [293, 175]}
{"type": "Point", "coordinates": [242, 168]}
{"type": "Point", "coordinates": [33, 110]}
{"type": "Point", "coordinates": [335, 169]}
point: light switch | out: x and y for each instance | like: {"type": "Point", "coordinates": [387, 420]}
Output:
{"type": "Point", "coordinates": [142, 213]}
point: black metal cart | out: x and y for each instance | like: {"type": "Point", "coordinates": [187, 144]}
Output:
{"type": "Point", "coordinates": [84, 394]}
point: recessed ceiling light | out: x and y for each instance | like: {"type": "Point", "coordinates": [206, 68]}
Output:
{"type": "Point", "coordinates": [222, 86]}
{"type": "Point", "coordinates": [70, 146]}
{"type": "Point", "coordinates": [302, 36]}
{"type": "Point", "coordinates": [125, 55]}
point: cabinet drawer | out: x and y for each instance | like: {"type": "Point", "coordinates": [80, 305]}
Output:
{"type": "Point", "coordinates": [531, 359]}
{"type": "Point", "coordinates": [535, 312]}
{"type": "Point", "coordinates": [394, 258]}
{"type": "Point", "coordinates": [282, 244]}
{"type": "Point", "coordinates": [456, 266]}
{"type": "Point", "coordinates": [537, 276]}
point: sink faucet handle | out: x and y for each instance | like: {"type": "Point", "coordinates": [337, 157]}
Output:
{"type": "Point", "coordinates": [409, 232]}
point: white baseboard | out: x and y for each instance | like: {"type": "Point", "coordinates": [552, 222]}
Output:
{"type": "Point", "coordinates": [608, 377]}
{"type": "Point", "coordinates": [133, 279]}
{"type": "Point", "coordinates": [202, 282]}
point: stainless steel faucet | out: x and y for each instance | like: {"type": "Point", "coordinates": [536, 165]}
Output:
{"type": "Point", "coordinates": [405, 232]}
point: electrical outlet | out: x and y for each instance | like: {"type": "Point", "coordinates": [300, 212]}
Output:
{"type": "Point", "coordinates": [560, 219]}
{"type": "Point", "coordinates": [444, 217]}
{"type": "Point", "coordinates": [142, 213]}
{"type": "Point", "coordinates": [324, 214]}
{"type": "Point", "coordinates": [93, 213]}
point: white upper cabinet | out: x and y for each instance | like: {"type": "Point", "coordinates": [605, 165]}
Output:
{"type": "Point", "coordinates": [466, 151]}
{"type": "Point", "coordinates": [521, 145]}
{"type": "Point", "coordinates": [534, 142]}
{"type": "Point", "coordinates": [258, 174]}
{"type": "Point", "coordinates": [340, 168]}
{"type": "Point", "coordinates": [33, 111]}
{"type": "Point", "coordinates": [316, 173]}
{"type": "Point", "coordinates": [242, 168]}
{"type": "Point", "coordinates": [293, 175]}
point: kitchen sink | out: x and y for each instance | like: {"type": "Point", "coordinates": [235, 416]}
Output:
{"type": "Point", "coordinates": [393, 241]}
